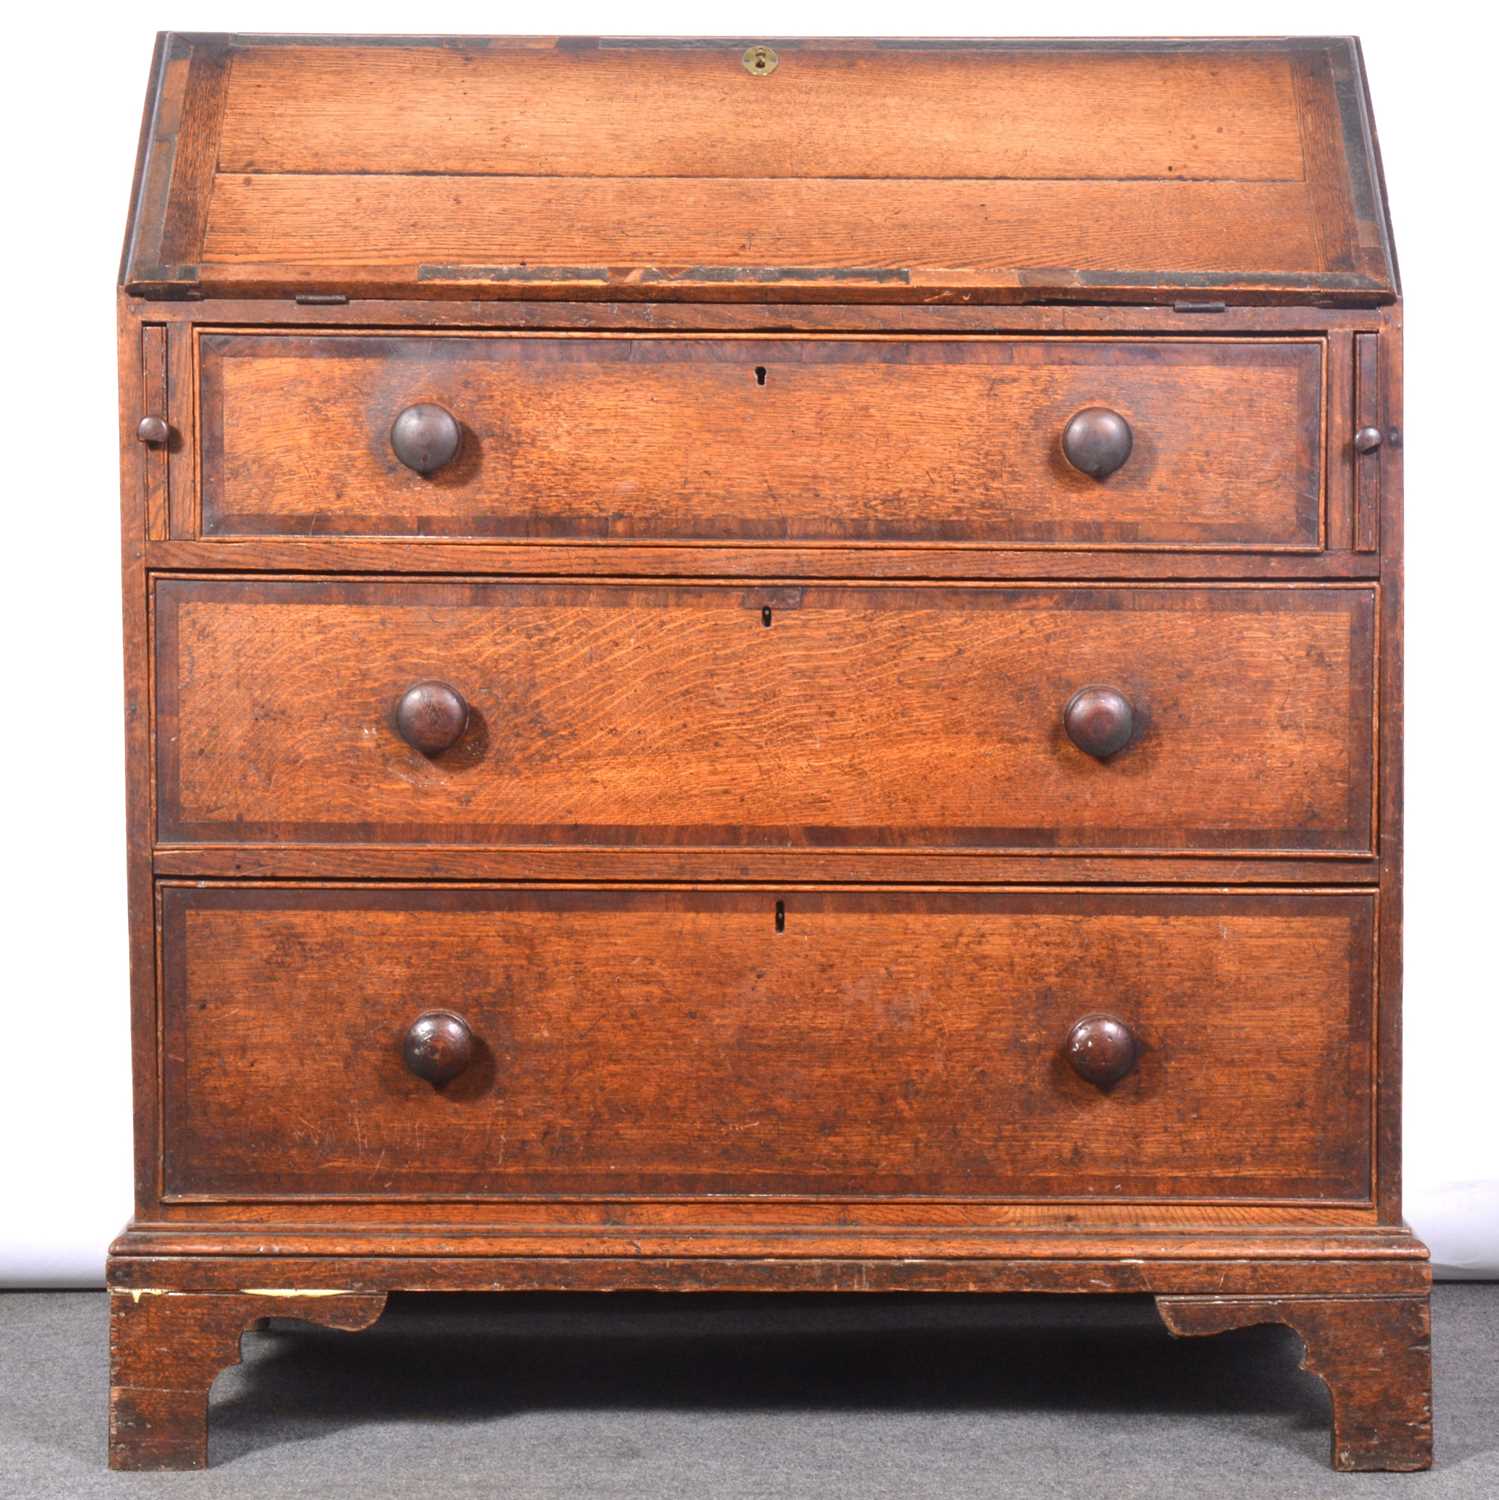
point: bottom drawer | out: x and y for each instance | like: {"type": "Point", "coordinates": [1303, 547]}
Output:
{"type": "Point", "coordinates": [648, 1042]}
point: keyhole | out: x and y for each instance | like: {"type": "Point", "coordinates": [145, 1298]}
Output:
{"type": "Point", "coordinates": [759, 374]}
{"type": "Point", "coordinates": [780, 916]}
{"type": "Point", "coordinates": [765, 617]}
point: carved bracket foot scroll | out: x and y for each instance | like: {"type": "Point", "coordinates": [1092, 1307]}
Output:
{"type": "Point", "coordinates": [1373, 1354]}
{"type": "Point", "coordinates": [165, 1348]}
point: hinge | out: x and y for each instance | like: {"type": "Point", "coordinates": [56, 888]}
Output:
{"type": "Point", "coordinates": [186, 292]}
{"type": "Point", "coordinates": [1082, 304]}
{"type": "Point", "coordinates": [321, 299]}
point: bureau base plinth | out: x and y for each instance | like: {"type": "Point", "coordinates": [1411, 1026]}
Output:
{"type": "Point", "coordinates": [1358, 1299]}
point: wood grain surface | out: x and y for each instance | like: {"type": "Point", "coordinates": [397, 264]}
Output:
{"type": "Point", "coordinates": [1372, 1353]}
{"type": "Point", "coordinates": [858, 717]}
{"type": "Point", "coordinates": [1390, 1263]}
{"type": "Point", "coordinates": [165, 1349]}
{"type": "Point", "coordinates": [747, 1224]}
{"type": "Point", "coordinates": [764, 581]}
{"type": "Point", "coordinates": [650, 111]}
{"type": "Point", "coordinates": [897, 171]}
{"type": "Point", "coordinates": [756, 439]}
{"type": "Point", "coordinates": [497, 228]}
{"type": "Point", "coordinates": [839, 1042]}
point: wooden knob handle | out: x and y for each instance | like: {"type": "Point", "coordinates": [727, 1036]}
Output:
{"type": "Point", "coordinates": [1367, 439]}
{"type": "Point", "coordinates": [153, 431]}
{"type": "Point", "coordinates": [1102, 1050]}
{"type": "Point", "coordinates": [439, 1045]}
{"type": "Point", "coordinates": [425, 437]}
{"type": "Point", "coordinates": [1100, 721]}
{"type": "Point", "coordinates": [431, 717]}
{"type": "Point", "coordinates": [1097, 441]}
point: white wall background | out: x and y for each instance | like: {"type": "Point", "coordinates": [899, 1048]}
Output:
{"type": "Point", "coordinates": [73, 96]}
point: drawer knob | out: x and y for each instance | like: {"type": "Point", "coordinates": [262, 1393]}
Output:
{"type": "Point", "coordinates": [1100, 721]}
{"type": "Point", "coordinates": [1367, 439]}
{"type": "Point", "coordinates": [1097, 441]}
{"type": "Point", "coordinates": [431, 717]}
{"type": "Point", "coordinates": [425, 437]}
{"type": "Point", "coordinates": [1102, 1050]}
{"type": "Point", "coordinates": [153, 431]}
{"type": "Point", "coordinates": [438, 1046]}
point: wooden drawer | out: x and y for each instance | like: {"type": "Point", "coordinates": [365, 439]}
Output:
{"type": "Point", "coordinates": [713, 716]}
{"type": "Point", "coordinates": [648, 1042]}
{"type": "Point", "coordinates": [874, 439]}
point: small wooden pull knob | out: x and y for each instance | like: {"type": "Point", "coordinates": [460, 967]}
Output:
{"type": "Point", "coordinates": [1100, 721]}
{"type": "Point", "coordinates": [1367, 439]}
{"type": "Point", "coordinates": [425, 437]}
{"type": "Point", "coordinates": [431, 717]}
{"type": "Point", "coordinates": [1097, 441]}
{"type": "Point", "coordinates": [153, 431]}
{"type": "Point", "coordinates": [1102, 1050]}
{"type": "Point", "coordinates": [439, 1045]}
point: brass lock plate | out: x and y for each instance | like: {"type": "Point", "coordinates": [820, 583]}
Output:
{"type": "Point", "coordinates": [760, 61]}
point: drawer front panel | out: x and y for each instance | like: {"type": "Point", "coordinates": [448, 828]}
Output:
{"type": "Point", "coordinates": [654, 1042]}
{"type": "Point", "coordinates": [716, 717]}
{"type": "Point", "coordinates": [863, 440]}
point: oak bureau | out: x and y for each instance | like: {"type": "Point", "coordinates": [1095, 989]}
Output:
{"type": "Point", "coordinates": [763, 666]}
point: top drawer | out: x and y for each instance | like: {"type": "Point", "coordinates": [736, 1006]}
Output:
{"type": "Point", "coordinates": [795, 439]}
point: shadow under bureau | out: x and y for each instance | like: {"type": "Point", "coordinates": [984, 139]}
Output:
{"type": "Point", "coordinates": [763, 666]}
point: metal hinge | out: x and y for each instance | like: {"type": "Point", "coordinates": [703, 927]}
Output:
{"type": "Point", "coordinates": [321, 299]}
{"type": "Point", "coordinates": [1199, 307]}
{"type": "Point", "coordinates": [186, 292]}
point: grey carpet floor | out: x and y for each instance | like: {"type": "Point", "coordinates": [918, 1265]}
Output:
{"type": "Point", "coordinates": [707, 1397]}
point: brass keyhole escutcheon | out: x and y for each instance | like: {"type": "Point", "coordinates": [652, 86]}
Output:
{"type": "Point", "coordinates": [760, 61]}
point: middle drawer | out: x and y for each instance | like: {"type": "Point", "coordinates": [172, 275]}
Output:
{"type": "Point", "coordinates": [716, 716]}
